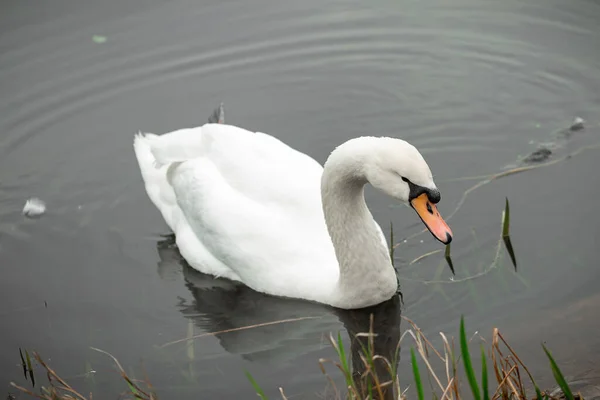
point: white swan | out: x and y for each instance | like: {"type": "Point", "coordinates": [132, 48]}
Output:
{"type": "Point", "coordinates": [247, 207]}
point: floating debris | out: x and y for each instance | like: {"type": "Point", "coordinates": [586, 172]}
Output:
{"type": "Point", "coordinates": [34, 207]}
{"type": "Point", "coordinates": [539, 155]}
{"type": "Point", "coordinates": [218, 115]}
{"type": "Point", "coordinates": [506, 233]}
{"type": "Point", "coordinates": [99, 39]}
{"type": "Point", "coordinates": [577, 125]}
{"type": "Point", "coordinates": [545, 150]}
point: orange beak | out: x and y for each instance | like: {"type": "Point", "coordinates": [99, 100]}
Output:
{"type": "Point", "coordinates": [431, 218]}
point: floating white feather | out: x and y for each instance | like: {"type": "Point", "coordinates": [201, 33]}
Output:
{"type": "Point", "coordinates": [34, 207]}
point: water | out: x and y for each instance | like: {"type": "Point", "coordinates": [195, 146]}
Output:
{"type": "Point", "coordinates": [475, 85]}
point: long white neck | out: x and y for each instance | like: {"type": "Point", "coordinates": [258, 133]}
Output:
{"type": "Point", "coordinates": [367, 276]}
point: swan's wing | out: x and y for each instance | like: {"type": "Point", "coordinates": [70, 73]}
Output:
{"type": "Point", "coordinates": [257, 165]}
{"type": "Point", "coordinates": [253, 202]}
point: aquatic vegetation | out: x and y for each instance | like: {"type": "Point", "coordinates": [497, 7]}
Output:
{"type": "Point", "coordinates": [483, 180]}
{"type": "Point", "coordinates": [99, 39]}
{"type": "Point", "coordinates": [59, 389]}
{"type": "Point", "coordinates": [378, 378]}
{"type": "Point", "coordinates": [449, 259]}
{"type": "Point", "coordinates": [506, 233]}
{"type": "Point", "coordinates": [508, 371]}
{"type": "Point", "coordinates": [374, 383]}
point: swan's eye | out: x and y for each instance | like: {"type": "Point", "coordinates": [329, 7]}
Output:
{"type": "Point", "coordinates": [405, 180]}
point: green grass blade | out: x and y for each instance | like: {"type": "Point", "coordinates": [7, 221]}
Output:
{"type": "Point", "coordinates": [23, 363]}
{"type": "Point", "coordinates": [464, 348]}
{"type": "Point", "coordinates": [29, 367]}
{"type": "Point", "coordinates": [256, 386]}
{"type": "Point", "coordinates": [558, 376]}
{"type": "Point", "coordinates": [506, 219]}
{"type": "Point", "coordinates": [449, 259]}
{"type": "Point", "coordinates": [539, 394]}
{"type": "Point", "coordinates": [342, 354]}
{"type": "Point", "coordinates": [339, 348]}
{"type": "Point", "coordinates": [484, 375]}
{"type": "Point", "coordinates": [506, 233]}
{"type": "Point", "coordinates": [133, 390]}
{"type": "Point", "coordinates": [417, 374]}
{"type": "Point", "coordinates": [510, 249]}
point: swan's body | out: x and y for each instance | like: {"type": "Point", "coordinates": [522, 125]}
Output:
{"type": "Point", "coordinates": [247, 207]}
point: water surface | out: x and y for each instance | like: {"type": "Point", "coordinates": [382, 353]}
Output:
{"type": "Point", "coordinates": [474, 84]}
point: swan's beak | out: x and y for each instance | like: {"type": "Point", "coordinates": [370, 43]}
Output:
{"type": "Point", "coordinates": [431, 218]}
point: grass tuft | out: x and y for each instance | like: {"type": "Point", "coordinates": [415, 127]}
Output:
{"type": "Point", "coordinates": [59, 389]}
{"type": "Point", "coordinates": [381, 383]}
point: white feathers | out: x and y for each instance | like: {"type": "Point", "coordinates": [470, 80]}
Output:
{"type": "Point", "coordinates": [34, 207]}
{"type": "Point", "coordinates": [245, 206]}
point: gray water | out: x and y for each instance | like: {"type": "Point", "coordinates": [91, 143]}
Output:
{"type": "Point", "coordinates": [474, 84]}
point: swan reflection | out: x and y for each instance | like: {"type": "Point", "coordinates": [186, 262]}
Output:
{"type": "Point", "coordinates": [219, 305]}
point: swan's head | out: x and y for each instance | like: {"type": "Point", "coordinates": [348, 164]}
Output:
{"type": "Point", "coordinates": [398, 169]}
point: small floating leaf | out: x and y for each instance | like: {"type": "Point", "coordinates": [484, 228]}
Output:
{"type": "Point", "coordinates": [449, 259]}
{"type": "Point", "coordinates": [538, 125]}
{"type": "Point", "coordinates": [99, 39]}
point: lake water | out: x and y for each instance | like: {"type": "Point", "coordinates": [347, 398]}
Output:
{"type": "Point", "coordinates": [474, 84]}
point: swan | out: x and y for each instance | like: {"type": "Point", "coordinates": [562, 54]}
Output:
{"type": "Point", "coordinates": [245, 206]}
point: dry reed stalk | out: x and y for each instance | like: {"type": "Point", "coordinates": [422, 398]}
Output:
{"type": "Point", "coordinates": [282, 321]}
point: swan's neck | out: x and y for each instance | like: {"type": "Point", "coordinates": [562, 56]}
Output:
{"type": "Point", "coordinates": [367, 276]}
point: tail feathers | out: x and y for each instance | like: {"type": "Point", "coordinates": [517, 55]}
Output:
{"type": "Point", "coordinates": [177, 146]}
{"type": "Point", "coordinates": [174, 147]}
{"type": "Point", "coordinates": [155, 179]}
{"type": "Point", "coordinates": [143, 151]}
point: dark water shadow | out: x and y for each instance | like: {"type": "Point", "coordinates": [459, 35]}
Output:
{"type": "Point", "coordinates": [222, 305]}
